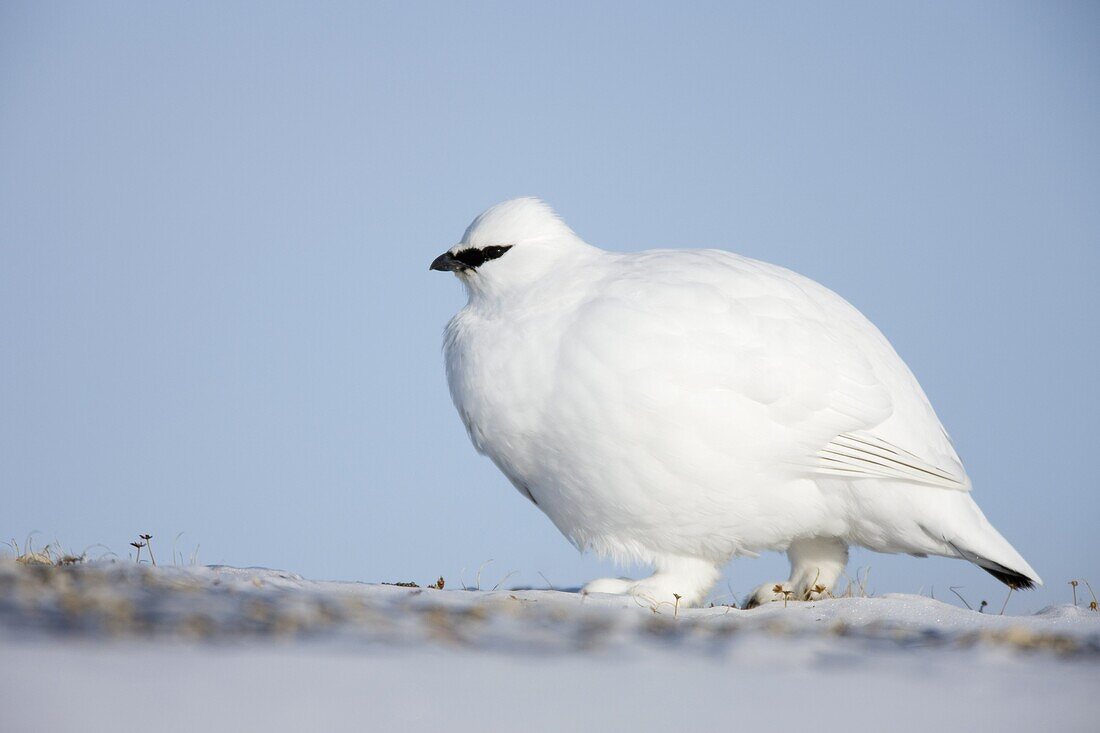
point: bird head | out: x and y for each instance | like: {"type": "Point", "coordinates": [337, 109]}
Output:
{"type": "Point", "coordinates": [510, 245]}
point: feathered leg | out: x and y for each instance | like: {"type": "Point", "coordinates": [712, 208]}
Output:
{"type": "Point", "coordinates": [816, 563]}
{"type": "Point", "coordinates": [688, 578]}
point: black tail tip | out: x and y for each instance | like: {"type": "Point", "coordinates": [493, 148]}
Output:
{"type": "Point", "coordinates": [1011, 578]}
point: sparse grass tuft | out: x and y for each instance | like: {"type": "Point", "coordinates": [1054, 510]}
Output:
{"type": "Point", "coordinates": [1093, 606]}
{"type": "Point", "coordinates": [477, 577]}
{"type": "Point", "coordinates": [50, 554]}
{"type": "Point", "coordinates": [53, 554]}
{"type": "Point", "coordinates": [857, 588]}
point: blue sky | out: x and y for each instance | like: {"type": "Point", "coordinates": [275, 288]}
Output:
{"type": "Point", "coordinates": [216, 221]}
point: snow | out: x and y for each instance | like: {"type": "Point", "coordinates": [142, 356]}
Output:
{"type": "Point", "coordinates": [109, 646]}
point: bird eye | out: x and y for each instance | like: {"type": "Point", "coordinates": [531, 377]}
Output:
{"type": "Point", "coordinates": [474, 258]}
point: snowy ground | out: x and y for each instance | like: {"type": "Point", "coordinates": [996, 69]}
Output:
{"type": "Point", "coordinates": [118, 646]}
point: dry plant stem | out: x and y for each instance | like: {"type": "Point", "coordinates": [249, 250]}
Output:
{"type": "Point", "coordinates": [148, 541]}
{"type": "Point", "coordinates": [174, 541]}
{"type": "Point", "coordinates": [1073, 584]}
{"type": "Point", "coordinates": [863, 584]}
{"type": "Point", "coordinates": [952, 589]}
{"type": "Point", "coordinates": [814, 587]}
{"type": "Point", "coordinates": [509, 575]}
{"type": "Point", "coordinates": [1005, 604]}
{"type": "Point", "coordinates": [1094, 606]}
{"type": "Point", "coordinates": [477, 577]}
{"type": "Point", "coordinates": [27, 542]}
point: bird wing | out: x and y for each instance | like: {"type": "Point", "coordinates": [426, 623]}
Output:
{"type": "Point", "coordinates": [771, 362]}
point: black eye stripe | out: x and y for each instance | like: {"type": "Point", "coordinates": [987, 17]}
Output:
{"type": "Point", "coordinates": [474, 258]}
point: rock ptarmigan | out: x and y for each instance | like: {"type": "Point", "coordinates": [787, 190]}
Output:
{"type": "Point", "coordinates": [681, 407]}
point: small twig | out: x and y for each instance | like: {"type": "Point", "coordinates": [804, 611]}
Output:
{"type": "Point", "coordinates": [676, 608]}
{"type": "Point", "coordinates": [138, 545]}
{"type": "Point", "coordinates": [952, 589]}
{"type": "Point", "coordinates": [1073, 584]}
{"type": "Point", "coordinates": [652, 603]}
{"type": "Point", "coordinates": [981, 608]}
{"type": "Point", "coordinates": [548, 583]}
{"type": "Point", "coordinates": [1005, 604]}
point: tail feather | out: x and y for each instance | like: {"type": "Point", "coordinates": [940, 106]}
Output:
{"type": "Point", "coordinates": [1008, 576]}
{"type": "Point", "coordinates": [964, 532]}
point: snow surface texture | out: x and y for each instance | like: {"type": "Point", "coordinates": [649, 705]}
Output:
{"type": "Point", "coordinates": [111, 646]}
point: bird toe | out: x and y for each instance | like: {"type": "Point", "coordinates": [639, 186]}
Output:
{"type": "Point", "coordinates": [768, 593]}
{"type": "Point", "coordinates": [612, 586]}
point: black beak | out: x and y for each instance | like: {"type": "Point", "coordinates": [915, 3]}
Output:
{"type": "Point", "coordinates": [447, 262]}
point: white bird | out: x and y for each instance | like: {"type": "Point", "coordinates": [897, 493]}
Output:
{"type": "Point", "coordinates": [678, 408]}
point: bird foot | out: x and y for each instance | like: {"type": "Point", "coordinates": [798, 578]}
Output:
{"type": "Point", "coordinates": [786, 592]}
{"type": "Point", "coordinates": [656, 590]}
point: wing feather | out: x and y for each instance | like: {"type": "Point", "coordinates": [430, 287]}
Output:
{"type": "Point", "coordinates": [865, 455]}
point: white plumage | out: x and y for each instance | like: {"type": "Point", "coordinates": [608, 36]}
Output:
{"type": "Point", "coordinates": [682, 407]}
